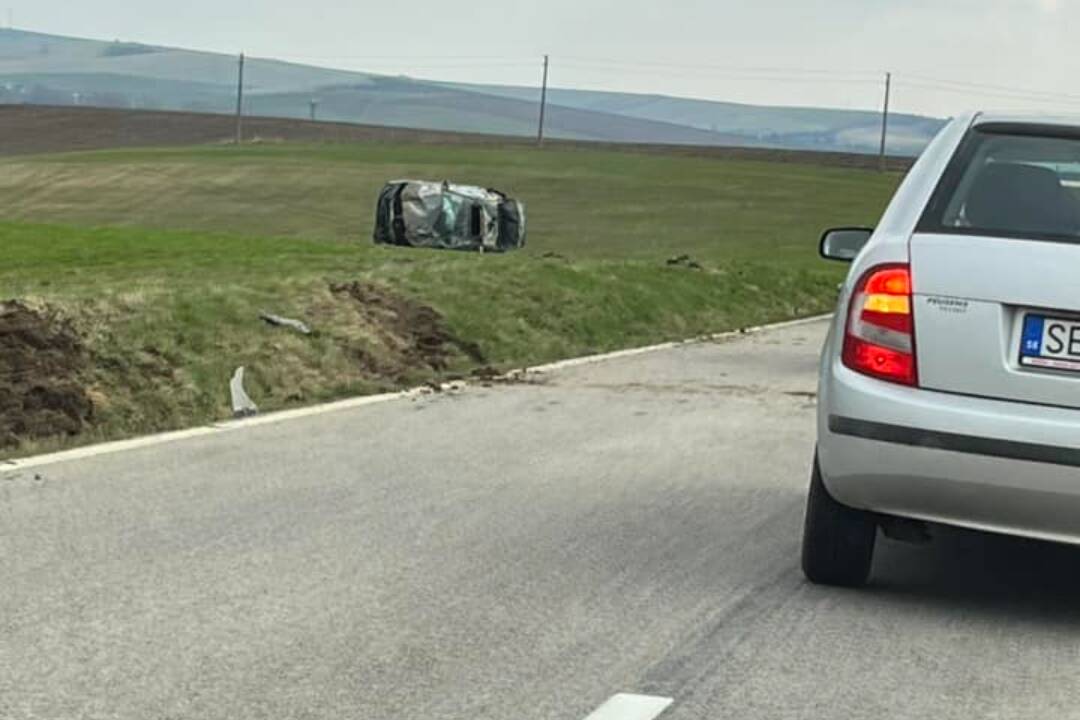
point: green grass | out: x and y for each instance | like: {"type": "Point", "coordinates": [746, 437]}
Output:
{"type": "Point", "coordinates": [172, 254]}
{"type": "Point", "coordinates": [589, 204]}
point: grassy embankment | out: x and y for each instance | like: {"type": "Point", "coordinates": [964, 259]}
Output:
{"type": "Point", "coordinates": [162, 260]}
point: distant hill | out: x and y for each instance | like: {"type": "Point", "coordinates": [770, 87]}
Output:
{"type": "Point", "coordinates": [842, 130]}
{"type": "Point", "coordinates": [46, 69]}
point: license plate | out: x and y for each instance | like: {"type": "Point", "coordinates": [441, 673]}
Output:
{"type": "Point", "coordinates": [1050, 342]}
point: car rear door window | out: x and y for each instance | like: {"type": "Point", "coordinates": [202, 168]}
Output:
{"type": "Point", "coordinates": [1015, 182]}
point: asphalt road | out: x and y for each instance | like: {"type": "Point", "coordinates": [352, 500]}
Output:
{"type": "Point", "coordinates": [512, 552]}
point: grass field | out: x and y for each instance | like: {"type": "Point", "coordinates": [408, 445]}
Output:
{"type": "Point", "coordinates": [161, 261]}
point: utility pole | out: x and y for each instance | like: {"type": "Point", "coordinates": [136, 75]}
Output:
{"type": "Point", "coordinates": [314, 106]}
{"type": "Point", "coordinates": [885, 119]}
{"type": "Point", "coordinates": [240, 103]}
{"type": "Point", "coordinates": [543, 104]}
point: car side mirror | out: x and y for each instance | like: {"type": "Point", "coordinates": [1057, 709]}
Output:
{"type": "Point", "coordinates": [844, 244]}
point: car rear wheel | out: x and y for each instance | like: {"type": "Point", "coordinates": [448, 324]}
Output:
{"type": "Point", "coordinates": [838, 541]}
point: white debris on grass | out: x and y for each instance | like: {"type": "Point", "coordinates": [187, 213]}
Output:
{"type": "Point", "coordinates": [242, 404]}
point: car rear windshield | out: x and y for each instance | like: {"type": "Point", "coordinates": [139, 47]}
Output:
{"type": "Point", "coordinates": [1010, 181]}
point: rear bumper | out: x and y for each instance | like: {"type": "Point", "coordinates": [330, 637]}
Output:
{"type": "Point", "coordinates": [973, 462]}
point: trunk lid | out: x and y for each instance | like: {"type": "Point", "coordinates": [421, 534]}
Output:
{"type": "Point", "coordinates": [971, 295]}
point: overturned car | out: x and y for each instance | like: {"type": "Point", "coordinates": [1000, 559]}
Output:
{"type": "Point", "coordinates": [419, 213]}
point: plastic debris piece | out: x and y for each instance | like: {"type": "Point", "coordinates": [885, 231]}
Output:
{"type": "Point", "coordinates": [241, 403]}
{"type": "Point", "coordinates": [278, 321]}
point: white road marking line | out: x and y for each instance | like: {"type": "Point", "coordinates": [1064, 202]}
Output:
{"type": "Point", "coordinates": [625, 706]}
{"type": "Point", "coordinates": [352, 403]}
{"type": "Point", "coordinates": [589, 359]}
{"type": "Point", "coordinates": [177, 435]}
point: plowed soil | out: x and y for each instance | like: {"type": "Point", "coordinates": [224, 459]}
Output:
{"type": "Point", "coordinates": [415, 335]}
{"type": "Point", "coordinates": [43, 366]}
{"type": "Point", "coordinates": [32, 129]}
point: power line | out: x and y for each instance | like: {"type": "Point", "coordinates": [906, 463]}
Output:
{"type": "Point", "coordinates": [721, 68]}
{"type": "Point", "coordinates": [1017, 95]}
{"type": "Point", "coordinates": [818, 77]}
{"type": "Point", "coordinates": [772, 74]}
{"type": "Point", "coordinates": [440, 61]}
{"type": "Point", "coordinates": [731, 74]}
{"type": "Point", "coordinates": [1049, 94]}
{"type": "Point", "coordinates": [491, 64]}
{"type": "Point", "coordinates": [430, 59]}
{"type": "Point", "coordinates": [397, 69]}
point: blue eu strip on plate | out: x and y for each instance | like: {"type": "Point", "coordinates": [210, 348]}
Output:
{"type": "Point", "coordinates": [1031, 344]}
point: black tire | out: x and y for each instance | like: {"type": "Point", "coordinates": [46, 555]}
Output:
{"type": "Point", "coordinates": [838, 541]}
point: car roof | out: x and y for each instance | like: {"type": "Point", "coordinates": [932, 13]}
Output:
{"type": "Point", "coordinates": [1026, 118]}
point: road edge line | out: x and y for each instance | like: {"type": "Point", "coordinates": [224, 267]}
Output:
{"type": "Point", "coordinates": [631, 352]}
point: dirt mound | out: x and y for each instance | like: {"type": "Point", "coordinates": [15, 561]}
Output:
{"type": "Point", "coordinates": [42, 362]}
{"type": "Point", "coordinates": [415, 334]}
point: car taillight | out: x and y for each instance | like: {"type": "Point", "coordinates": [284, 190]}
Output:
{"type": "Point", "coordinates": [880, 336]}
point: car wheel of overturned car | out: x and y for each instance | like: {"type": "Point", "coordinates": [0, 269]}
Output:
{"type": "Point", "coordinates": [838, 541]}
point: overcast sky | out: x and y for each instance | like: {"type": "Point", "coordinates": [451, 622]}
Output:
{"type": "Point", "coordinates": [790, 52]}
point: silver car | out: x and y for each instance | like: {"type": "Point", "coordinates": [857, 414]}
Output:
{"type": "Point", "coordinates": [950, 379]}
{"type": "Point", "coordinates": [422, 213]}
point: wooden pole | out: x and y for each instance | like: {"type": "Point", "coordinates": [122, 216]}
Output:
{"type": "Point", "coordinates": [240, 103]}
{"type": "Point", "coordinates": [543, 104]}
{"type": "Point", "coordinates": [885, 120]}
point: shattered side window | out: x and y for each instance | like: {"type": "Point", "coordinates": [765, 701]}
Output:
{"type": "Point", "coordinates": [451, 207]}
{"type": "Point", "coordinates": [453, 221]}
